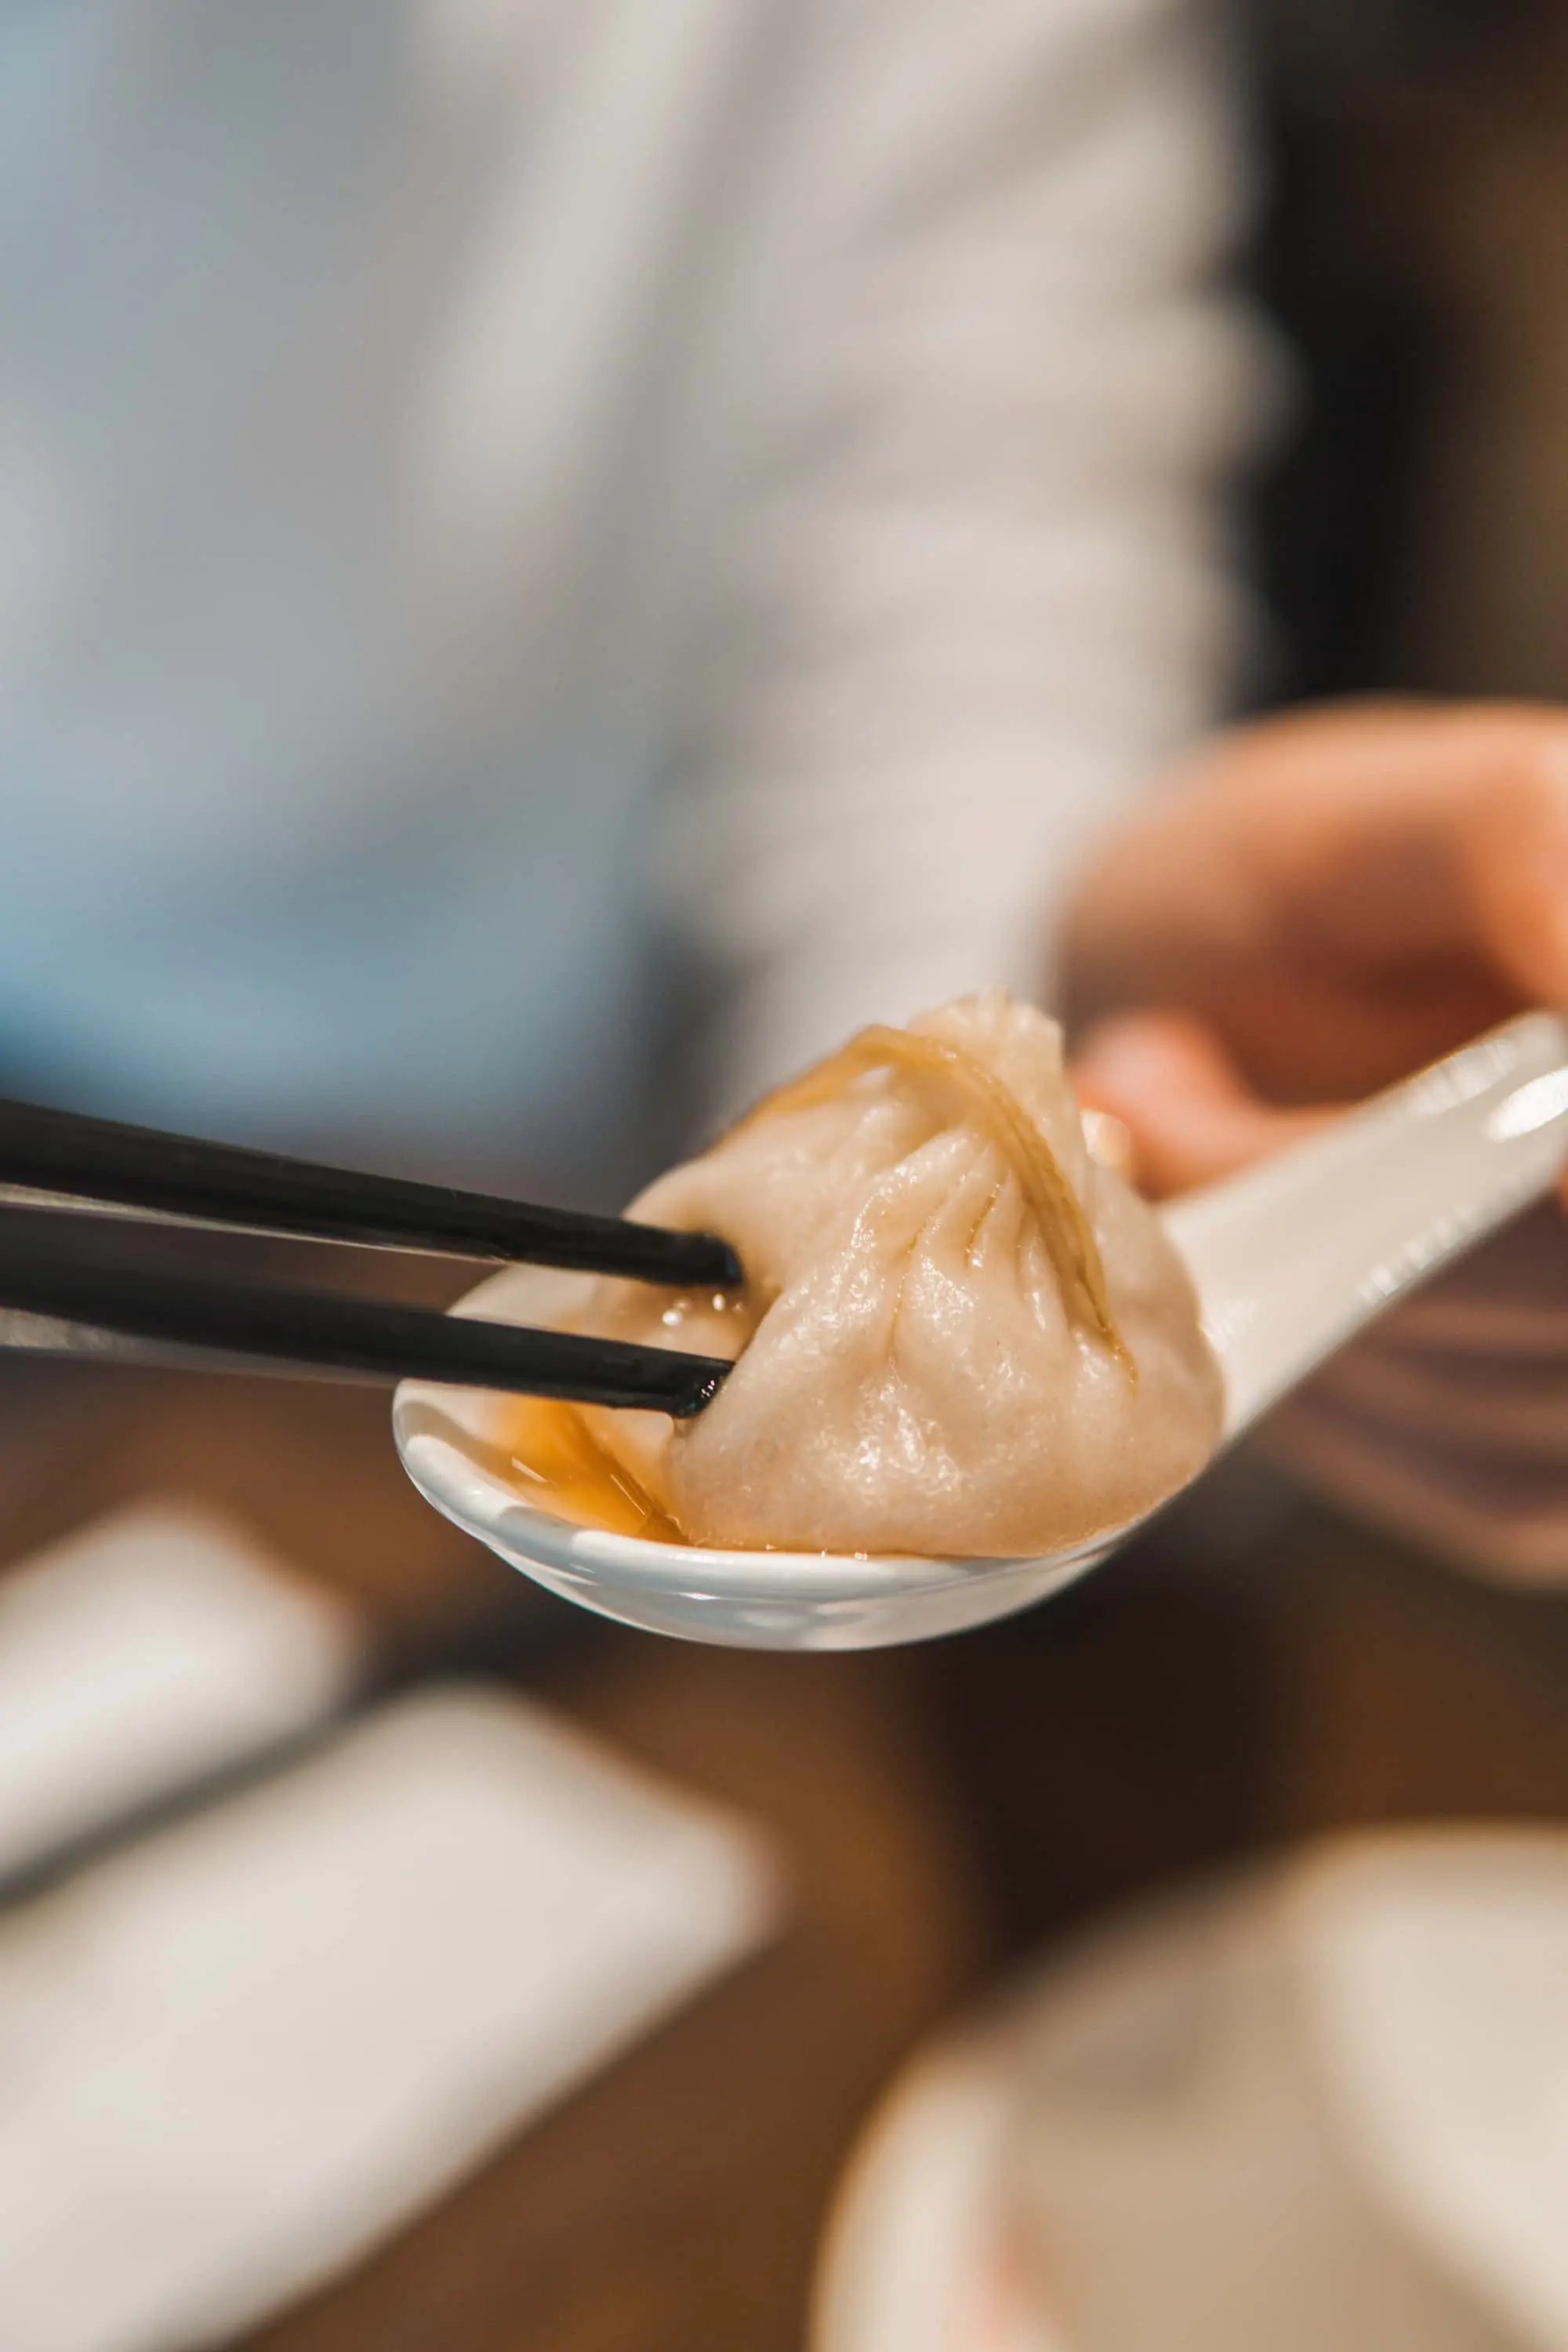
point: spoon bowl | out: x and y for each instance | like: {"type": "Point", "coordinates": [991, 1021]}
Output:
{"type": "Point", "coordinates": [1289, 1259]}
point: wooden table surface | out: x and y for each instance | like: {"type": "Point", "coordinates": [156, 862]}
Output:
{"type": "Point", "coordinates": [1256, 1673]}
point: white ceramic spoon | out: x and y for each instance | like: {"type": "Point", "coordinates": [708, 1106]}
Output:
{"type": "Point", "coordinates": [1289, 1260]}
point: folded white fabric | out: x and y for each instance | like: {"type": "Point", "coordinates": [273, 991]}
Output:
{"type": "Point", "coordinates": [238, 2053]}
{"type": "Point", "coordinates": [238, 2056]}
{"type": "Point", "coordinates": [155, 1647]}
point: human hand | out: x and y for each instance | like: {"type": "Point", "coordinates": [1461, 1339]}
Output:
{"type": "Point", "coordinates": [1311, 909]}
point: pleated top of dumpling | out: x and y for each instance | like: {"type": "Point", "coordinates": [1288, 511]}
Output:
{"type": "Point", "coordinates": [960, 1335]}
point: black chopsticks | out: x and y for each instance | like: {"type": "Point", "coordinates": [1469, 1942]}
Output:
{"type": "Point", "coordinates": [60, 1265]}
{"type": "Point", "coordinates": [75, 1266]}
{"type": "Point", "coordinates": [224, 1183]}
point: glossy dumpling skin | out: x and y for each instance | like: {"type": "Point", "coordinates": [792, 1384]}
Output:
{"type": "Point", "coordinates": [921, 1364]}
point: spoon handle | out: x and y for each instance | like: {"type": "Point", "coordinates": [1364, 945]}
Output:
{"type": "Point", "coordinates": [1291, 1258]}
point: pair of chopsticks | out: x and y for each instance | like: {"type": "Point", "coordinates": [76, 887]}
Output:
{"type": "Point", "coordinates": [62, 1257]}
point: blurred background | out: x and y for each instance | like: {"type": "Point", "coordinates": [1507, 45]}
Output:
{"type": "Point", "coordinates": [554, 559]}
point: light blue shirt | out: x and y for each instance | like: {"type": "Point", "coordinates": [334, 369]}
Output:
{"type": "Point", "coordinates": [333, 695]}
{"type": "Point", "coordinates": [430, 428]}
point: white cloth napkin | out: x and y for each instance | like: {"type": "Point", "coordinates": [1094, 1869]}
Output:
{"type": "Point", "coordinates": [237, 2054]}
{"type": "Point", "coordinates": [154, 1646]}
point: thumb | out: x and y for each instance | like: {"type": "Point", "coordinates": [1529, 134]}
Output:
{"type": "Point", "coordinates": [1191, 1116]}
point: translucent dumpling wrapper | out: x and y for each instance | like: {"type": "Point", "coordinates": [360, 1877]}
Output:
{"type": "Point", "coordinates": [960, 1334]}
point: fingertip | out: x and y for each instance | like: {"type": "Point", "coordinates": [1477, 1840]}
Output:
{"type": "Point", "coordinates": [1525, 929]}
{"type": "Point", "coordinates": [1517, 857]}
{"type": "Point", "coordinates": [1168, 1079]}
{"type": "Point", "coordinates": [1135, 1054]}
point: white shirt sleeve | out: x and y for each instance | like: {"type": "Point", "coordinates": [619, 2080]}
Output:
{"type": "Point", "coordinates": [981, 580]}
